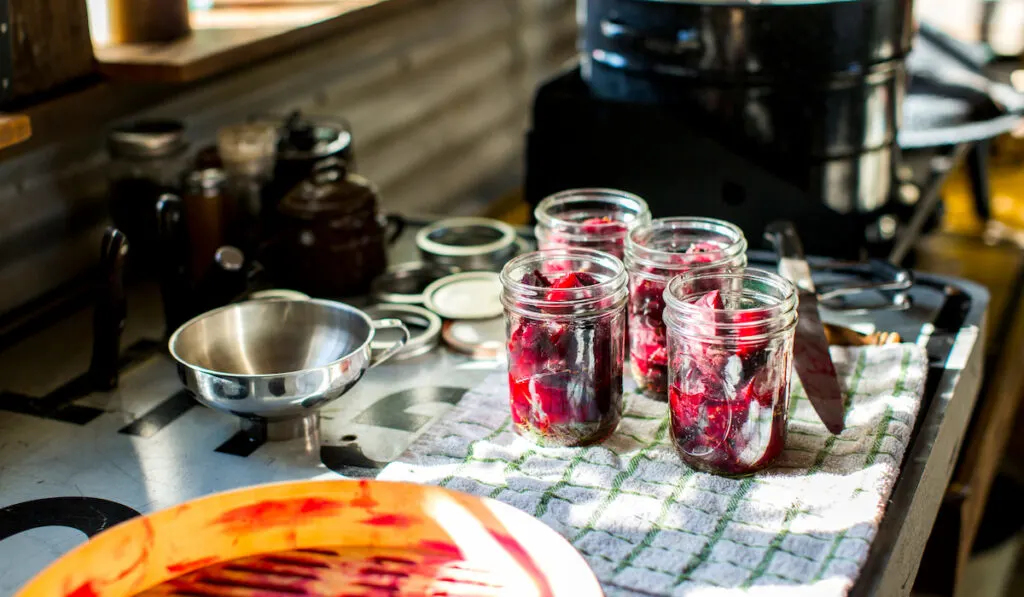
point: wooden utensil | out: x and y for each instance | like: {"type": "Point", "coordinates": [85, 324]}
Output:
{"type": "Point", "coordinates": [842, 336]}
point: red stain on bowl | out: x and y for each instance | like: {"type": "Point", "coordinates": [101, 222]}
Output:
{"type": "Point", "coordinates": [365, 500]}
{"type": "Point", "coordinates": [182, 567]}
{"type": "Point", "coordinates": [271, 513]}
{"type": "Point", "coordinates": [392, 520]}
{"type": "Point", "coordinates": [523, 559]}
{"type": "Point", "coordinates": [83, 590]}
{"type": "Point", "coordinates": [447, 549]}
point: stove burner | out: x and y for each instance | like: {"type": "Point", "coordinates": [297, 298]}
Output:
{"type": "Point", "coordinates": [86, 514]}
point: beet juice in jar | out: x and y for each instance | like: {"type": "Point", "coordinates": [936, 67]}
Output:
{"type": "Point", "coordinates": [565, 312]}
{"type": "Point", "coordinates": [589, 219]}
{"type": "Point", "coordinates": [730, 337]}
{"type": "Point", "coordinates": [655, 253]}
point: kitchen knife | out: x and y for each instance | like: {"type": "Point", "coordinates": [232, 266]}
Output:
{"type": "Point", "coordinates": [810, 349]}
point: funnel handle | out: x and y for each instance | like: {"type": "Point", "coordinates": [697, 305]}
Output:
{"type": "Point", "coordinates": [387, 353]}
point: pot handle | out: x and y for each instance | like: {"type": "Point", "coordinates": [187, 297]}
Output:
{"type": "Point", "coordinates": [387, 353]}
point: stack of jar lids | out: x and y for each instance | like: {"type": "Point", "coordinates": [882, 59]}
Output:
{"type": "Point", "coordinates": [458, 281]}
{"type": "Point", "coordinates": [469, 301]}
{"type": "Point", "coordinates": [470, 244]}
{"type": "Point", "coordinates": [424, 328]}
{"type": "Point", "coordinates": [405, 283]}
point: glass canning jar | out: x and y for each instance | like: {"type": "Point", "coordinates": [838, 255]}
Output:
{"type": "Point", "coordinates": [589, 219]}
{"type": "Point", "coordinates": [147, 160]}
{"type": "Point", "coordinates": [655, 253]}
{"type": "Point", "coordinates": [566, 344]}
{"type": "Point", "coordinates": [730, 336]}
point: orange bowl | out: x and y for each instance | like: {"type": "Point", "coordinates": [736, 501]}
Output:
{"type": "Point", "coordinates": [521, 553]}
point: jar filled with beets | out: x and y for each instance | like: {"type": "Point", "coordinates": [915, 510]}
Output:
{"type": "Point", "coordinates": [589, 219]}
{"type": "Point", "coordinates": [730, 337]}
{"type": "Point", "coordinates": [655, 253]}
{"type": "Point", "coordinates": [565, 313]}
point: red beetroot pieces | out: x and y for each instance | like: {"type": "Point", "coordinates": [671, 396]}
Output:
{"type": "Point", "coordinates": [565, 376]}
{"type": "Point", "coordinates": [604, 226]}
{"type": "Point", "coordinates": [727, 400]}
{"type": "Point", "coordinates": [605, 234]}
{"type": "Point", "coordinates": [647, 334]}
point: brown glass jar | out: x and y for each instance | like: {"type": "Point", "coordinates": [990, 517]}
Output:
{"type": "Point", "coordinates": [147, 21]}
{"type": "Point", "coordinates": [331, 238]}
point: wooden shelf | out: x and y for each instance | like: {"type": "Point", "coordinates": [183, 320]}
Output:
{"type": "Point", "coordinates": [231, 36]}
{"type": "Point", "coordinates": [14, 128]}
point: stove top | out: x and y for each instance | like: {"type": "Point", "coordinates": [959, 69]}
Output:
{"type": "Point", "coordinates": [74, 463]}
{"type": "Point", "coordinates": [148, 445]}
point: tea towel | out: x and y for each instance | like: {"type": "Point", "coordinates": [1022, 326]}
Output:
{"type": "Point", "coordinates": [649, 525]}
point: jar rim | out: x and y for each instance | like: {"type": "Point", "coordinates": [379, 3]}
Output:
{"type": "Point", "coordinates": [638, 253]}
{"type": "Point", "coordinates": [627, 202]}
{"type": "Point", "coordinates": [680, 306]}
{"type": "Point", "coordinates": [525, 293]}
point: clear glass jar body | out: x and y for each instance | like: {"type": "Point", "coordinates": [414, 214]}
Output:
{"type": "Point", "coordinates": [730, 337]}
{"type": "Point", "coordinates": [589, 219]}
{"type": "Point", "coordinates": [566, 344]}
{"type": "Point", "coordinates": [136, 184]}
{"type": "Point", "coordinates": [655, 253]}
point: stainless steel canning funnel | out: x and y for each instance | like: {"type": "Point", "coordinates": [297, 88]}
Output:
{"type": "Point", "coordinates": [278, 361]}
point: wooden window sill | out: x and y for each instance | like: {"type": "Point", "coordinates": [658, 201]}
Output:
{"type": "Point", "coordinates": [231, 36]}
{"type": "Point", "coordinates": [14, 128]}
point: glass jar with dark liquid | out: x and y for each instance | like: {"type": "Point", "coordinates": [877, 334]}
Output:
{"type": "Point", "coordinates": [148, 159]}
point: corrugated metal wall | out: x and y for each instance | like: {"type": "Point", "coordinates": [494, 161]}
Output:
{"type": "Point", "coordinates": [438, 99]}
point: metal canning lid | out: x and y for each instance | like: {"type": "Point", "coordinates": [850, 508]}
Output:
{"type": "Point", "coordinates": [424, 328]}
{"type": "Point", "coordinates": [470, 295]}
{"type": "Point", "coordinates": [482, 339]}
{"type": "Point", "coordinates": [147, 139]}
{"type": "Point", "coordinates": [404, 283]}
{"type": "Point", "coordinates": [466, 237]}
{"type": "Point", "coordinates": [201, 181]}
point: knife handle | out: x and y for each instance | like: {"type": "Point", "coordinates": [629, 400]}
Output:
{"type": "Point", "coordinates": [782, 234]}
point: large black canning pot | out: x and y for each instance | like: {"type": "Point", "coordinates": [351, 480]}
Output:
{"type": "Point", "coordinates": [812, 88]}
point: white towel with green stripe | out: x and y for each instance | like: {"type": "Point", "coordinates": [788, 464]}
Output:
{"type": "Point", "coordinates": [649, 525]}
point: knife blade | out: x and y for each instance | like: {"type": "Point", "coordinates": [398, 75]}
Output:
{"type": "Point", "coordinates": [811, 358]}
